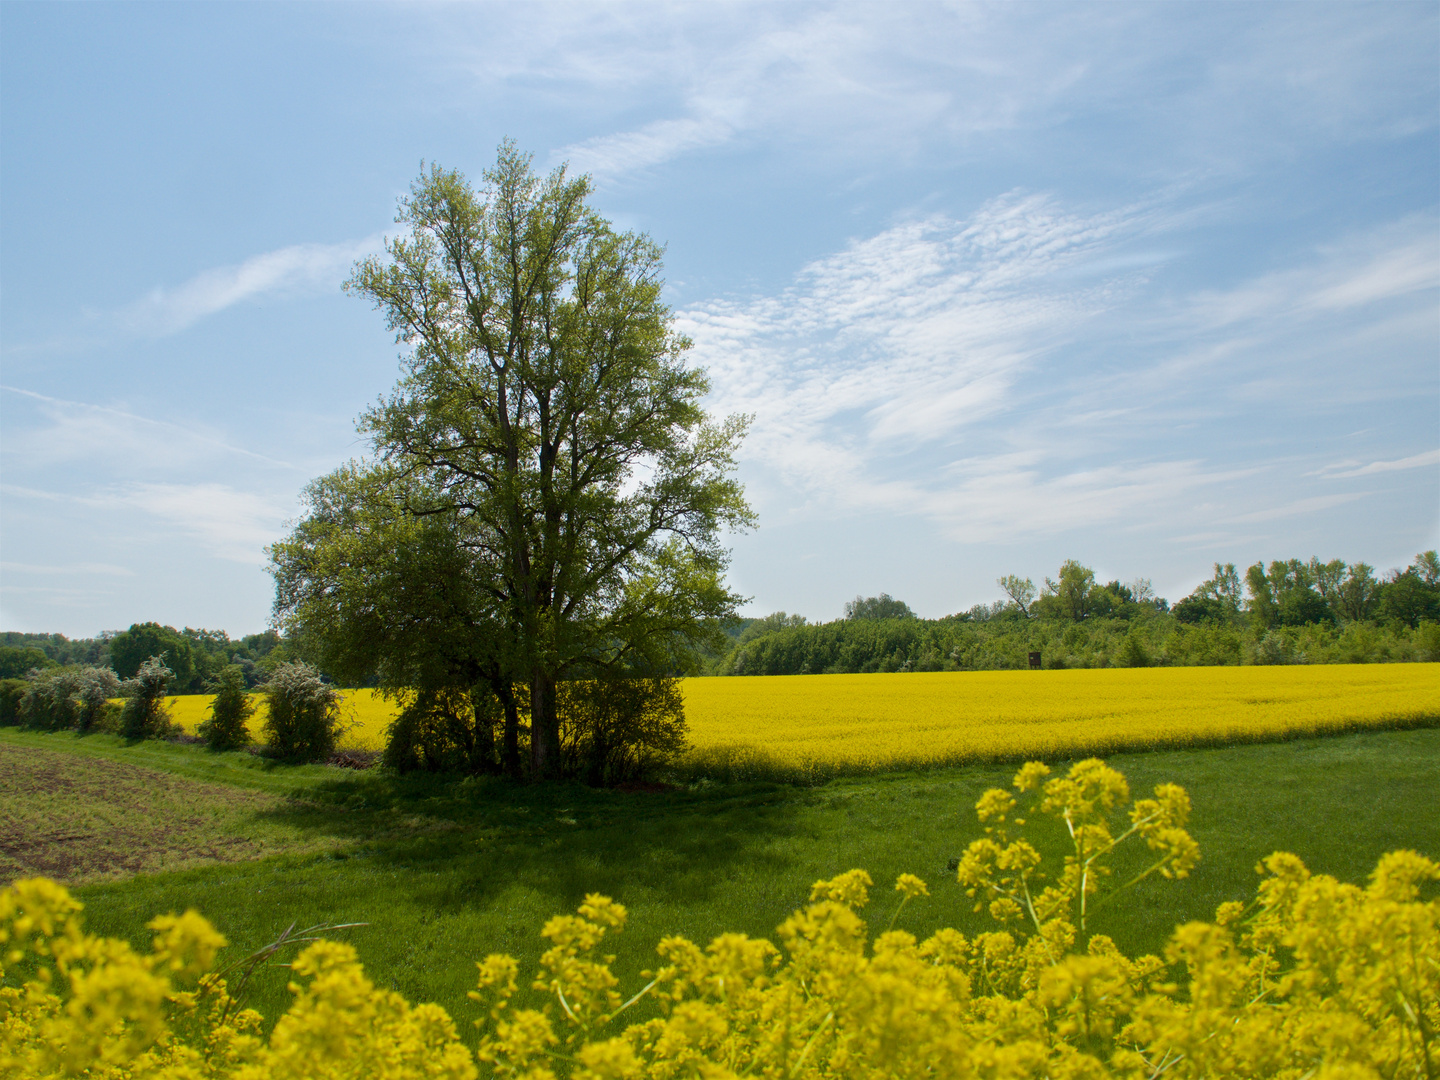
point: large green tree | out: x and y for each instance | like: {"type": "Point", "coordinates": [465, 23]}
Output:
{"type": "Point", "coordinates": [545, 454]}
{"type": "Point", "coordinates": [130, 649]}
{"type": "Point", "coordinates": [1285, 594]}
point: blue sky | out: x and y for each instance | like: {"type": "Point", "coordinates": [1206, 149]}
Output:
{"type": "Point", "coordinates": [1148, 286]}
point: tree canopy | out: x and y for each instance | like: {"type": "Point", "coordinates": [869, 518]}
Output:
{"type": "Point", "coordinates": [547, 498]}
{"type": "Point", "coordinates": [883, 606]}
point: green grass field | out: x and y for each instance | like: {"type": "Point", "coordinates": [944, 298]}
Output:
{"type": "Point", "coordinates": [446, 871]}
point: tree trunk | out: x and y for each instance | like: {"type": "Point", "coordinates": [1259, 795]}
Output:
{"type": "Point", "coordinates": [510, 749]}
{"type": "Point", "coordinates": [544, 727]}
{"type": "Point", "coordinates": [482, 754]}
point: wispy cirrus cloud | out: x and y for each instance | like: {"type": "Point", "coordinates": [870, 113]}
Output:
{"type": "Point", "coordinates": [1346, 470]}
{"type": "Point", "coordinates": [610, 156]}
{"type": "Point", "coordinates": [1390, 262]}
{"type": "Point", "coordinates": [297, 268]}
{"type": "Point", "coordinates": [229, 523]}
{"type": "Point", "coordinates": [905, 344]}
{"type": "Point", "coordinates": [1018, 372]}
{"type": "Point", "coordinates": [1295, 508]}
{"type": "Point", "coordinates": [81, 431]}
{"type": "Point", "coordinates": [903, 80]}
{"type": "Point", "coordinates": [68, 569]}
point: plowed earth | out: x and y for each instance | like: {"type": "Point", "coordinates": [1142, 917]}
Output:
{"type": "Point", "coordinates": [80, 819]}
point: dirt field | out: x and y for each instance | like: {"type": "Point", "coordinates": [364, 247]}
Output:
{"type": "Point", "coordinates": [81, 819]}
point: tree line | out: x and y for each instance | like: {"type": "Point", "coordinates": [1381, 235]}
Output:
{"type": "Point", "coordinates": [194, 657]}
{"type": "Point", "coordinates": [1286, 612]}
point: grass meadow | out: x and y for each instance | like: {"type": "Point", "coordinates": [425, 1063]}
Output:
{"type": "Point", "coordinates": [446, 870]}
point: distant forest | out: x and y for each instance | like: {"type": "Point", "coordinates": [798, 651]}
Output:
{"type": "Point", "coordinates": [1286, 613]}
{"type": "Point", "coordinates": [195, 656]}
{"type": "Point", "coordinates": [1290, 612]}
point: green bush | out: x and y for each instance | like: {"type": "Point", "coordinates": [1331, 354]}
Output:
{"type": "Point", "coordinates": [145, 715]}
{"type": "Point", "coordinates": [12, 692]}
{"type": "Point", "coordinates": [304, 720]}
{"type": "Point", "coordinates": [1427, 642]}
{"type": "Point", "coordinates": [447, 730]}
{"type": "Point", "coordinates": [59, 699]}
{"type": "Point", "coordinates": [1132, 651]}
{"type": "Point", "coordinates": [228, 726]}
{"type": "Point", "coordinates": [619, 730]}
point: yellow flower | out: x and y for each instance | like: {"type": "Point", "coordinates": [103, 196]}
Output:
{"type": "Point", "coordinates": [910, 886]}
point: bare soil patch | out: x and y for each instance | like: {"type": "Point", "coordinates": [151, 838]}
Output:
{"type": "Point", "coordinates": [79, 818]}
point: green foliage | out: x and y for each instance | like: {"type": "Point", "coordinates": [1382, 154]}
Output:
{"type": "Point", "coordinates": [1077, 596]}
{"type": "Point", "coordinates": [500, 535]}
{"type": "Point", "coordinates": [1132, 651]}
{"type": "Point", "coordinates": [12, 692]}
{"type": "Point", "coordinates": [88, 652]}
{"type": "Point", "coordinates": [1021, 592]}
{"type": "Point", "coordinates": [1298, 612]}
{"type": "Point", "coordinates": [1427, 642]}
{"type": "Point", "coordinates": [211, 650]}
{"type": "Point", "coordinates": [617, 730]}
{"type": "Point", "coordinates": [768, 625]}
{"type": "Point", "coordinates": [303, 722]}
{"type": "Point", "coordinates": [883, 606]}
{"type": "Point", "coordinates": [999, 641]}
{"type": "Point", "coordinates": [1408, 598]}
{"type": "Point", "coordinates": [230, 712]}
{"type": "Point", "coordinates": [1286, 595]}
{"type": "Point", "coordinates": [131, 649]}
{"type": "Point", "coordinates": [61, 698]}
{"type": "Point", "coordinates": [1197, 610]}
{"type": "Point", "coordinates": [195, 656]}
{"type": "Point", "coordinates": [145, 715]}
{"type": "Point", "coordinates": [17, 661]}
{"type": "Point", "coordinates": [446, 731]}
{"type": "Point", "coordinates": [1070, 597]}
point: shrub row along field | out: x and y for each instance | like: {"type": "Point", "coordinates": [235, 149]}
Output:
{"type": "Point", "coordinates": [817, 725]}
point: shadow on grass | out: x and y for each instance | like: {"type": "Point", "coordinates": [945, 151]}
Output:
{"type": "Point", "coordinates": [487, 834]}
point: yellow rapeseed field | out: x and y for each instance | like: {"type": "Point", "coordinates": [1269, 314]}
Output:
{"type": "Point", "coordinates": [846, 723]}
{"type": "Point", "coordinates": [861, 722]}
{"type": "Point", "coordinates": [365, 715]}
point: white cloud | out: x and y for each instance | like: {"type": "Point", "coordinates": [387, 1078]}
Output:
{"type": "Point", "coordinates": [1297, 508]}
{"type": "Point", "coordinates": [839, 81]}
{"type": "Point", "coordinates": [609, 156]}
{"type": "Point", "coordinates": [1391, 262]}
{"type": "Point", "coordinates": [301, 267]}
{"type": "Point", "coordinates": [102, 434]}
{"type": "Point", "coordinates": [906, 342]}
{"type": "Point", "coordinates": [1348, 469]}
{"type": "Point", "coordinates": [229, 523]}
{"type": "Point", "coordinates": [1012, 374]}
{"type": "Point", "coordinates": [898, 81]}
